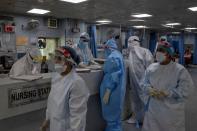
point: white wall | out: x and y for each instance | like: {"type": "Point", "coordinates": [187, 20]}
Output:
{"type": "Point", "coordinates": [74, 36]}
{"type": "Point", "coordinates": [102, 33]}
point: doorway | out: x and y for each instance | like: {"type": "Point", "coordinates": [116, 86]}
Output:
{"type": "Point", "coordinates": [51, 45]}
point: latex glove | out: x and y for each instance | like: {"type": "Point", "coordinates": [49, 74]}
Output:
{"type": "Point", "coordinates": [106, 96]}
{"type": "Point", "coordinates": [44, 125]}
{"type": "Point", "coordinates": [157, 93]}
{"type": "Point", "coordinates": [94, 63]}
{"type": "Point", "coordinates": [153, 92]}
{"type": "Point", "coordinates": [162, 95]}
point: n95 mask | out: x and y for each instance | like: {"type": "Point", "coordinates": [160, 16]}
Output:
{"type": "Point", "coordinates": [59, 68]}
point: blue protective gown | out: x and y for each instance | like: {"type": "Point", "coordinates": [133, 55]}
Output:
{"type": "Point", "coordinates": [114, 80]}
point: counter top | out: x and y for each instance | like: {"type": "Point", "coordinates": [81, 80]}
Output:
{"type": "Point", "coordinates": [7, 80]}
{"type": "Point", "coordinates": [92, 79]}
{"type": "Point", "coordinates": [19, 96]}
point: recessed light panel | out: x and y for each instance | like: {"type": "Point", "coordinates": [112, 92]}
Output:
{"type": "Point", "coordinates": [38, 11]}
{"type": "Point", "coordinates": [193, 8]}
{"type": "Point", "coordinates": [140, 26]}
{"type": "Point", "coordinates": [136, 20]}
{"type": "Point", "coordinates": [104, 21]}
{"type": "Point", "coordinates": [141, 15]}
{"type": "Point", "coordinates": [173, 24]}
{"type": "Point", "coordinates": [74, 1]}
{"type": "Point", "coordinates": [191, 28]}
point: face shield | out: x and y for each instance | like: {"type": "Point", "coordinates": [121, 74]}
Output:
{"type": "Point", "coordinates": [83, 42]}
{"type": "Point", "coordinates": [84, 37]}
{"type": "Point", "coordinates": [63, 56]}
{"type": "Point", "coordinates": [61, 62]}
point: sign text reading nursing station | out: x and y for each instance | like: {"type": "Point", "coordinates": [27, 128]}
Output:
{"type": "Point", "coordinates": [26, 95]}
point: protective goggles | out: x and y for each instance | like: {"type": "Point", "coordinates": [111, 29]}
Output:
{"type": "Point", "coordinates": [130, 41]}
{"type": "Point", "coordinates": [84, 39]}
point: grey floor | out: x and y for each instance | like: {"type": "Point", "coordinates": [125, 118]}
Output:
{"type": "Point", "coordinates": [31, 121]}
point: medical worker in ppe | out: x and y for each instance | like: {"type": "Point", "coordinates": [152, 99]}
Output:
{"type": "Point", "coordinates": [30, 64]}
{"type": "Point", "coordinates": [139, 59]}
{"type": "Point", "coordinates": [67, 101]}
{"type": "Point", "coordinates": [112, 90]}
{"type": "Point", "coordinates": [84, 51]}
{"type": "Point", "coordinates": [166, 86]}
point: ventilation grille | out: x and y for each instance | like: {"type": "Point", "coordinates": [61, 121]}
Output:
{"type": "Point", "coordinates": [52, 23]}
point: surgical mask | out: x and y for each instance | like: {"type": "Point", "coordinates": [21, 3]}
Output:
{"type": "Point", "coordinates": [86, 43]}
{"type": "Point", "coordinates": [59, 68]}
{"type": "Point", "coordinates": [160, 57]}
{"type": "Point", "coordinates": [82, 45]}
{"type": "Point", "coordinates": [132, 44]}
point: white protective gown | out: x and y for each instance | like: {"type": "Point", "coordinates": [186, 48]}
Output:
{"type": "Point", "coordinates": [139, 59]}
{"type": "Point", "coordinates": [168, 113]}
{"type": "Point", "coordinates": [25, 66]}
{"type": "Point", "coordinates": [67, 103]}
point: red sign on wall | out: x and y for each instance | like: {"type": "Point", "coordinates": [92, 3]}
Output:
{"type": "Point", "coordinates": [9, 28]}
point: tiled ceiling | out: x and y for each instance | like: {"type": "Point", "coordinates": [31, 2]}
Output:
{"type": "Point", "coordinates": [119, 11]}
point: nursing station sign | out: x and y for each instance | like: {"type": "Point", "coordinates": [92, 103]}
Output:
{"type": "Point", "coordinates": [26, 95]}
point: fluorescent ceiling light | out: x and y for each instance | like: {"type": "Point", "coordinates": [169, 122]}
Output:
{"type": "Point", "coordinates": [193, 8]}
{"type": "Point", "coordinates": [38, 11]}
{"type": "Point", "coordinates": [141, 15]}
{"type": "Point", "coordinates": [74, 1]}
{"type": "Point", "coordinates": [140, 26]}
{"type": "Point", "coordinates": [173, 24]}
{"type": "Point", "coordinates": [167, 26]}
{"type": "Point", "coordinates": [191, 28]}
{"type": "Point", "coordinates": [136, 20]}
{"type": "Point", "coordinates": [176, 32]}
{"type": "Point", "coordinates": [103, 21]}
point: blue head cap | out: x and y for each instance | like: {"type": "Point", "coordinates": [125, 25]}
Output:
{"type": "Point", "coordinates": [111, 44]}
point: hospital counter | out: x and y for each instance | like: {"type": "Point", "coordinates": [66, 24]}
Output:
{"type": "Point", "coordinates": [19, 97]}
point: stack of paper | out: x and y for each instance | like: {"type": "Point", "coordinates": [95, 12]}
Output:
{"type": "Point", "coordinates": [27, 77]}
{"type": "Point", "coordinates": [82, 70]}
{"type": "Point", "coordinates": [94, 67]}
